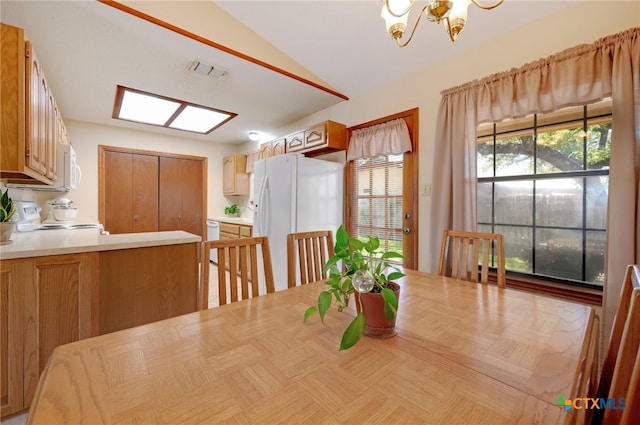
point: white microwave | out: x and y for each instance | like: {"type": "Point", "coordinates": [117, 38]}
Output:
{"type": "Point", "coordinates": [68, 174]}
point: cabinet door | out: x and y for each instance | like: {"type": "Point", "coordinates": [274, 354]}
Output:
{"type": "Point", "coordinates": [51, 135]}
{"type": "Point", "coordinates": [315, 136]}
{"type": "Point", "coordinates": [35, 113]}
{"type": "Point", "coordinates": [181, 195]}
{"type": "Point", "coordinates": [265, 151]}
{"type": "Point", "coordinates": [13, 276]}
{"type": "Point", "coordinates": [130, 192]}
{"type": "Point", "coordinates": [57, 309]}
{"type": "Point", "coordinates": [235, 180]}
{"type": "Point", "coordinates": [295, 142]}
{"type": "Point", "coordinates": [278, 147]}
{"type": "Point", "coordinates": [228, 174]}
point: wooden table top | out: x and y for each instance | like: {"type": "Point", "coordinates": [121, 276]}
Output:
{"type": "Point", "coordinates": [464, 354]}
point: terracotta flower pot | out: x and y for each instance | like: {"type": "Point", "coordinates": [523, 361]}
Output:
{"type": "Point", "coordinates": [6, 229]}
{"type": "Point", "coordinates": [372, 305]}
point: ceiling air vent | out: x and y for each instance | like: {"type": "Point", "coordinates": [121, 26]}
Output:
{"type": "Point", "coordinates": [213, 71]}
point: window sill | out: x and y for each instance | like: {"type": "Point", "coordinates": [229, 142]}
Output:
{"type": "Point", "coordinates": [573, 293]}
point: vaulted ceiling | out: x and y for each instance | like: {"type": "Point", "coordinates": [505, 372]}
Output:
{"type": "Point", "coordinates": [285, 59]}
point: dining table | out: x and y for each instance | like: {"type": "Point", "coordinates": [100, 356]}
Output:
{"type": "Point", "coordinates": [464, 353]}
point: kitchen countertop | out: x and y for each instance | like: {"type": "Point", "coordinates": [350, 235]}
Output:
{"type": "Point", "coordinates": [235, 220]}
{"type": "Point", "coordinates": [56, 242]}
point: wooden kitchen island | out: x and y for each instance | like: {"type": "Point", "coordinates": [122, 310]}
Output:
{"type": "Point", "coordinates": [60, 286]}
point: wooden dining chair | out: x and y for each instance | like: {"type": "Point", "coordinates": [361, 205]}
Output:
{"type": "Point", "coordinates": [621, 358]}
{"type": "Point", "coordinates": [460, 255]}
{"type": "Point", "coordinates": [308, 252]}
{"type": "Point", "coordinates": [243, 252]}
{"type": "Point", "coordinates": [585, 382]}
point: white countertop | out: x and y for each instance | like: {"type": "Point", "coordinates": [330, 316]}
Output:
{"type": "Point", "coordinates": [236, 220]}
{"type": "Point", "coordinates": [55, 242]}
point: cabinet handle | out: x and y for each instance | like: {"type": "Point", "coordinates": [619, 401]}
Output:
{"type": "Point", "coordinates": [135, 217]}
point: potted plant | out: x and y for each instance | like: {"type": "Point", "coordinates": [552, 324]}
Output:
{"type": "Point", "coordinates": [7, 210]}
{"type": "Point", "coordinates": [363, 268]}
{"type": "Point", "coordinates": [232, 211]}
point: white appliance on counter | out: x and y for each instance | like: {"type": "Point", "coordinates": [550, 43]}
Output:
{"type": "Point", "coordinates": [295, 194]}
{"type": "Point", "coordinates": [68, 173]}
{"type": "Point", "coordinates": [213, 234]}
{"type": "Point", "coordinates": [28, 220]}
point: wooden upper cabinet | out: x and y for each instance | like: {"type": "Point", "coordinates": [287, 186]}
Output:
{"type": "Point", "coordinates": [235, 180]}
{"type": "Point", "coordinates": [278, 147]}
{"type": "Point", "coordinates": [30, 118]}
{"type": "Point", "coordinates": [265, 151]}
{"type": "Point", "coordinates": [295, 142]}
{"type": "Point", "coordinates": [325, 137]}
{"type": "Point", "coordinates": [36, 114]}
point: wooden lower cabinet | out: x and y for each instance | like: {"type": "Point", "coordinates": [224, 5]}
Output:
{"type": "Point", "coordinates": [12, 276]}
{"type": "Point", "coordinates": [49, 301]}
{"type": "Point", "coordinates": [53, 300]}
{"type": "Point", "coordinates": [234, 231]}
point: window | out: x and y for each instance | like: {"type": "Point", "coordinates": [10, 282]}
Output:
{"type": "Point", "coordinates": [378, 205]}
{"type": "Point", "coordinates": [543, 182]}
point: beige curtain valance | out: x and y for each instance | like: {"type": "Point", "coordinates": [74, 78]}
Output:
{"type": "Point", "coordinates": [389, 138]}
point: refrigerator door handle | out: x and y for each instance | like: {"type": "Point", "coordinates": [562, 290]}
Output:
{"type": "Point", "coordinates": [261, 208]}
{"type": "Point", "coordinates": [265, 202]}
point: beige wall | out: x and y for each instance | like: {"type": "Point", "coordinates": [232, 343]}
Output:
{"type": "Point", "coordinates": [86, 138]}
{"type": "Point", "coordinates": [583, 23]}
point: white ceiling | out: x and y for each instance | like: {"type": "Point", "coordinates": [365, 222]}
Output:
{"type": "Point", "coordinates": [87, 48]}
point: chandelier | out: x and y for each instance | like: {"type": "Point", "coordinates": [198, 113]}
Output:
{"type": "Point", "coordinates": [452, 12]}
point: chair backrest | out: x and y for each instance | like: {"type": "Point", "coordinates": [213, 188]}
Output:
{"type": "Point", "coordinates": [308, 252]}
{"type": "Point", "coordinates": [621, 358]}
{"type": "Point", "coordinates": [461, 250]}
{"type": "Point", "coordinates": [243, 252]}
{"type": "Point", "coordinates": [585, 382]}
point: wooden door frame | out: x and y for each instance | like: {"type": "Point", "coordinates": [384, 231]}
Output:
{"type": "Point", "coordinates": [410, 178]}
{"type": "Point", "coordinates": [101, 177]}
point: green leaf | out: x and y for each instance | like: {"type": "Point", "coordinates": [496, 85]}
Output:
{"type": "Point", "coordinates": [342, 239]}
{"type": "Point", "coordinates": [356, 243]}
{"type": "Point", "coordinates": [330, 263]}
{"type": "Point", "coordinates": [324, 301]}
{"type": "Point", "coordinates": [353, 332]}
{"type": "Point", "coordinates": [395, 275]}
{"type": "Point", "coordinates": [308, 313]}
{"type": "Point", "coordinates": [390, 303]}
{"type": "Point", "coordinates": [375, 243]}
{"type": "Point", "coordinates": [392, 254]}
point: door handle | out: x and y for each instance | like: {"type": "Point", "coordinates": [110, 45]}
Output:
{"type": "Point", "coordinates": [406, 230]}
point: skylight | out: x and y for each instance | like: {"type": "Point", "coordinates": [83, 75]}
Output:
{"type": "Point", "coordinates": [148, 108]}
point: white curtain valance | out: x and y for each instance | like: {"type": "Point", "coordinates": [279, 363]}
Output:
{"type": "Point", "coordinates": [389, 138]}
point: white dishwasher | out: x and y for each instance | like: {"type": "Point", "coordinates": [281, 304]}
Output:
{"type": "Point", "coordinates": [213, 234]}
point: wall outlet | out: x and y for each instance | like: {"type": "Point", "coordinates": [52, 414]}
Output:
{"type": "Point", "coordinates": [426, 189]}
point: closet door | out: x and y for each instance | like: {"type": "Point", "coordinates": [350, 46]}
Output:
{"type": "Point", "coordinates": [182, 201]}
{"type": "Point", "coordinates": [130, 192]}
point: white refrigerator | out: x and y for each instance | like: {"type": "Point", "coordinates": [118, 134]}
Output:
{"type": "Point", "coordinates": [292, 194]}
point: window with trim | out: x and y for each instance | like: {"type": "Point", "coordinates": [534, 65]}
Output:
{"type": "Point", "coordinates": [377, 204]}
{"type": "Point", "coordinates": [543, 182]}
